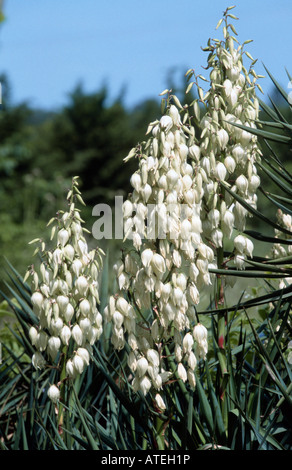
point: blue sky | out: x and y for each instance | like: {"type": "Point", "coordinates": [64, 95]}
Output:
{"type": "Point", "coordinates": [48, 46]}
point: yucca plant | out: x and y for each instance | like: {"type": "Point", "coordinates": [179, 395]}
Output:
{"type": "Point", "coordinates": [108, 415]}
{"type": "Point", "coordinates": [151, 380]}
{"type": "Point", "coordinates": [264, 404]}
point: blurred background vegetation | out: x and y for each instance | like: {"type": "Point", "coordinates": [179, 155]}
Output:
{"type": "Point", "coordinates": [40, 151]}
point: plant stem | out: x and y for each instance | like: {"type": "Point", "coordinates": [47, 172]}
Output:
{"type": "Point", "coordinates": [160, 433]}
{"type": "Point", "coordinates": [62, 392]}
{"type": "Point", "coordinates": [221, 326]}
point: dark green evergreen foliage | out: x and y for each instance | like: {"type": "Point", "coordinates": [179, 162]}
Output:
{"type": "Point", "coordinates": [41, 151]}
{"type": "Point", "coordinates": [105, 414]}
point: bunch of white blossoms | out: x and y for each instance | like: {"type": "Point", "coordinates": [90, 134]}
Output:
{"type": "Point", "coordinates": [158, 278]}
{"type": "Point", "coordinates": [228, 154]}
{"type": "Point", "coordinates": [65, 298]}
{"type": "Point", "coordinates": [177, 217]}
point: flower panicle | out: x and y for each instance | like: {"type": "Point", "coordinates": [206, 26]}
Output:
{"type": "Point", "coordinates": [65, 296]}
{"type": "Point", "coordinates": [161, 278]}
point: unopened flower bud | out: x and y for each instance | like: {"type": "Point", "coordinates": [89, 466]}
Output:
{"type": "Point", "coordinates": [158, 264]}
{"type": "Point", "coordinates": [77, 334]}
{"type": "Point", "coordinates": [132, 361]}
{"type": "Point", "coordinates": [81, 285]}
{"type": "Point", "coordinates": [122, 306]}
{"type": "Point", "coordinates": [186, 228]}
{"type": "Point", "coordinates": [57, 325]}
{"type": "Point", "coordinates": [85, 325]}
{"type": "Point", "coordinates": [233, 97]}
{"type": "Point", "coordinates": [227, 87]}
{"type": "Point", "coordinates": [76, 229]}
{"type": "Point", "coordinates": [223, 138]}
{"type": "Point", "coordinates": [54, 393]}
{"type": "Point", "coordinates": [136, 181]}
{"type": "Point", "coordinates": [146, 192]}
{"type": "Point", "coordinates": [82, 249]}
{"type": "Point", "coordinates": [188, 342]}
{"type": "Point", "coordinates": [41, 341]}
{"type": "Point", "coordinates": [249, 247]}
{"type": "Point", "coordinates": [159, 402]}
{"type": "Point", "coordinates": [84, 354]}
{"type": "Point", "coordinates": [37, 300]}
{"type": "Point", "coordinates": [69, 252]}
{"type": "Point", "coordinates": [245, 138]}
{"type": "Point", "coordinates": [221, 171]}
{"type": "Point", "coordinates": [145, 385]}
{"type": "Point", "coordinates": [193, 272]}
{"type": "Point", "coordinates": [228, 223]}
{"type": "Point", "coordinates": [183, 151]}
{"type": "Point", "coordinates": [77, 267]}
{"type": "Point", "coordinates": [194, 152]}
{"type": "Point", "coordinates": [182, 372]}
{"type": "Point", "coordinates": [153, 357]}
{"type": "Point", "coordinates": [172, 177]}
{"type": "Point", "coordinates": [230, 164]}
{"type": "Point", "coordinates": [192, 360]}
{"type": "Point", "coordinates": [187, 182]}
{"type": "Point", "coordinates": [94, 334]}
{"type": "Point", "coordinates": [127, 209]}
{"type": "Point", "coordinates": [239, 261]}
{"type": "Point", "coordinates": [178, 353]}
{"type": "Point", "coordinates": [240, 243]}
{"type": "Point", "coordinates": [166, 122]}
{"type": "Point", "coordinates": [200, 333]}
{"type": "Point", "coordinates": [57, 256]}
{"type": "Point", "coordinates": [217, 237]}
{"type": "Point", "coordinates": [118, 319]}
{"type": "Point", "coordinates": [142, 365]}
{"type": "Point", "coordinates": [63, 236]}
{"type": "Point", "coordinates": [238, 152]}
{"type": "Point", "coordinates": [62, 302]}
{"type": "Point", "coordinates": [78, 364]}
{"type": "Point", "coordinates": [146, 257]}
{"type": "Point", "coordinates": [33, 334]}
{"type": "Point", "coordinates": [85, 307]}
{"type": "Point", "coordinates": [70, 371]}
{"type": "Point", "coordinates": [241, 183]}
{"type": "Point", "coordinates": [38, 360]}
{"type": "Point", "coordinates": [68, 313]}
{"type": "Point", "coordinates": [191, 378]}
{"type": "Point", "coordinates": [254, 183]}
{"type": "Point", "coordinates": [132, 340]}
{"type": "Point", "coordinates": [54, 344]}
{"type": "Point", "coordinates": [174, 114]}
{"type": "Point", "coordinates": [65, 335]}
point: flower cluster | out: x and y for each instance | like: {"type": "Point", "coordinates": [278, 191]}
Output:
{"type": "Point", "coordinates": [158, 279]}
{"type": "Point", "coordinates": [228, 152]}
{"type": "Point", "coordinates": [177, 217]}
{"type": "Point", "coordinates": [65, 298]}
